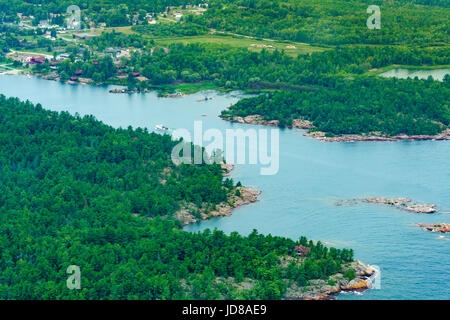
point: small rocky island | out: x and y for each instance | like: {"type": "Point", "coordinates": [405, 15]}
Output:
{"type": "Point", "coordinates": [400, 203]}
{"type": "Point", "coordinates": [404, 204]}
{"type": "Point", "coordinates": [436, 227]}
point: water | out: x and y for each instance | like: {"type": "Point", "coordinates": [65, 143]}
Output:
{"type": "Point", "coordinates": [437, 74]}
{"type": "Point", "coordinates": [300, 199]}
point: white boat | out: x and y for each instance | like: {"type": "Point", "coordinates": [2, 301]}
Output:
{"type": "Point", "coordinates": [161, 127]}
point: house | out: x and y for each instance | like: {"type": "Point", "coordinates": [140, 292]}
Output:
{"type": "Point", "coordinates": [63, 56]}
{"type": "Point", "coordinates": [83, 36]}
{"type": "Point", "coordinates": [78, 72]}
{"type": "Point", "coordinates": [43, 24]}
{"type": "Point", "coordinates": [302, 251]}
{"type": "Point", "coordinates": [18, 57]}
{"type": "Point", "coordinates": [85, 80]}
{"type": "Point", "coordinates": [113, 51]}
{"type": "Point", "coordinates": [37, 60]}
{"type": "Point", "coordinates": [142, 78]}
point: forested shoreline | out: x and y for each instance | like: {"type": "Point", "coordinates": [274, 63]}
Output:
{"type": "Point", "coordinates": [69, 193]}
{"type": "Point", "coordinates": [336, 89]}
{"type": "Point", "coordinates": [75, 191]}
{"type": "Point", "coordinates": [332, 89]}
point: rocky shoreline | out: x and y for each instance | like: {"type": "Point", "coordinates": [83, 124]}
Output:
{"type": "Point", "coordinates": [239, 196]}
{"type": "Point", "coordinates": [328, 289]}
{"type": "Point", "coordinates": [436, 227]}
{"type": "Point", "coordinates": [322, 136]}
{"type": "Point", "coordinates": [319, 135]}
{"type": "Point", "coordinates": [123, 90]}
{"type": "Point", "coordinates": [259, 120]}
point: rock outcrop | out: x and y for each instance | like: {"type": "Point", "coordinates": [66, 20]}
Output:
{"type": "Point", "coordinates": [257, 119]}
{"type": "Point", "coordinates": [404, 204]}
{"type": "Point", "coordinates": [327, 289]}
{"type": "Point", "coordinates": [375, 136]}
{"type": "Point", "coordinates": [239, 196]}
{"type": "Point", "coordinates": [436, 227]}
{"type": "Point", "coordinates": [322, 136]}
{"type": "Point", "coordinates": [400, 203]}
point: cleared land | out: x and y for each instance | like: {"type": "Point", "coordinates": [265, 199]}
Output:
{"type": "Point", "coordinates": [291, 48]}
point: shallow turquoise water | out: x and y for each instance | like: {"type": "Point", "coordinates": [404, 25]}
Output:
{"type": "Point", "coordinates": [299, 200]}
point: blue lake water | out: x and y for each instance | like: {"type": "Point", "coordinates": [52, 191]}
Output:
{"type": "Point", "coordinates": [401, 73]}
{"type": "Point", "coordinates": [300, 199]}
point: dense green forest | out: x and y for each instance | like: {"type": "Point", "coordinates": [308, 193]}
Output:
{"type": "Point", "coordinates": [112, 12]}
{"type": "Point", "coordinates": [331, 22]}
{"type": "Point", "coordinates": [334, 81]}
{"type": "Point", "coordinates": [238, 67]}
{"type": "Point", "coordinates": [313, 86]}
{"type": "Point", "coordinates": [87, 162]}
{"type": "Point", "coordinates": [417, 22]}
{"type": "Point", "coordinates": [389, 106]}
{"type": "Point", "coordinates": [69, 193]}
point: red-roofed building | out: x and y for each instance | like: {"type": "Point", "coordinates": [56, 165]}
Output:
{"type": "Point", "coordinates": [302, 251]}
{"type": "Point", "coordinates": [38, 60]}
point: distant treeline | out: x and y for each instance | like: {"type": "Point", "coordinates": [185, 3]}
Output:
{"type": "Point", "coordinates": [332, 22]}
{"type": "Point", "coordinates": [390, 106]}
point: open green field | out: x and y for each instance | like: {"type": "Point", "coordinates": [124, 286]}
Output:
{"type": "Point", "coordinates": [188, 88]}
{"type": "Point", "coordinates": [291, 48]}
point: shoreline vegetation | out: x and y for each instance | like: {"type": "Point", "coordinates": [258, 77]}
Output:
{"type": "Point", "coordinates": [323, 136]}
{"type": "Point", "coordinates": [256, 119]}
{"type": "Point", "coordinates": [238, 196]}
{"type": "Point", "coordinates": [361, 280]}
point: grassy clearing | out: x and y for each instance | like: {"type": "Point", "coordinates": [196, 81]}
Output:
{"type": "Point", "coordinates": [188, 88]}
{"type": "Point", "coordinates": [290, 48]}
